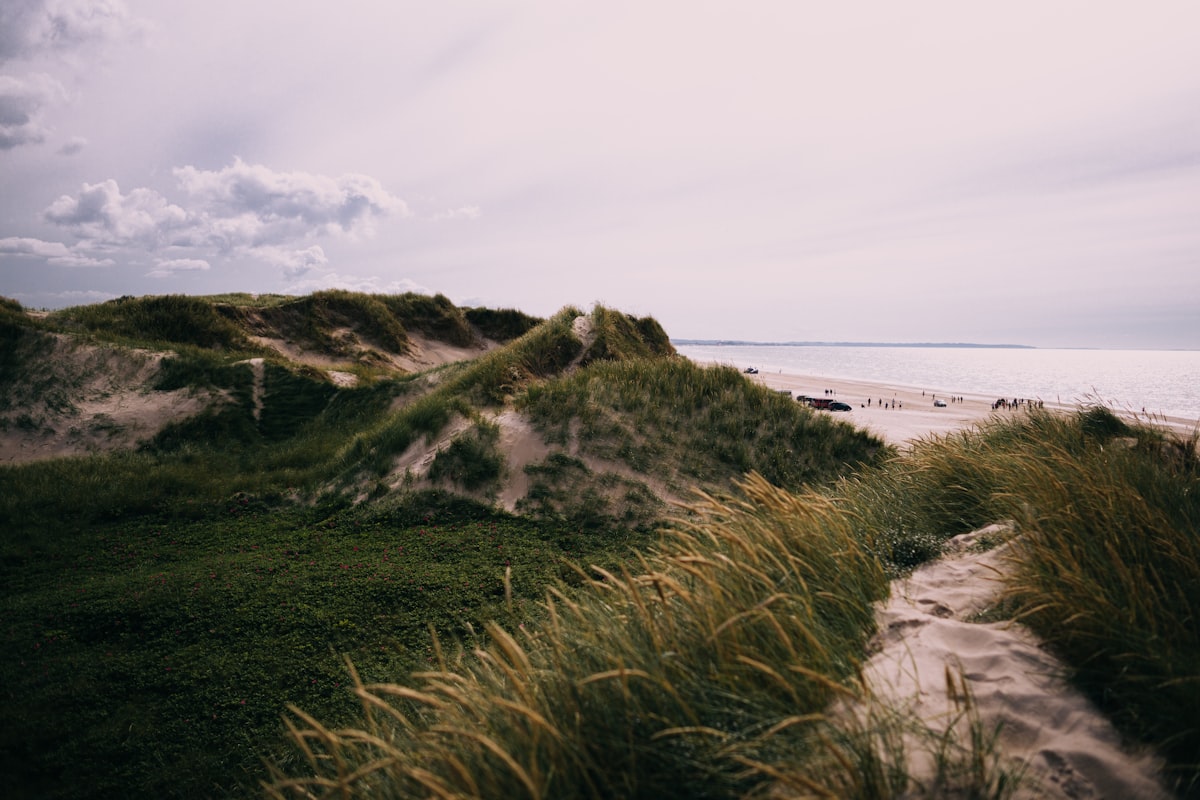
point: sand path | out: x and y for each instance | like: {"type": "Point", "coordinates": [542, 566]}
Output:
{"type": "Point", "coordinates": [927, 633]}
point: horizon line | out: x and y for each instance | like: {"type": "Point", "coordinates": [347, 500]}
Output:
{"type": "Point", "coordinates": [744, 342]}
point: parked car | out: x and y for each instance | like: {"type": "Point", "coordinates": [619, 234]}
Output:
{"type": "Point", "coordinates": [939, 403]}
{"type": "Point", "coordinates": [837, 405]}
{"type": "Point", "coordinates": [751, 370]}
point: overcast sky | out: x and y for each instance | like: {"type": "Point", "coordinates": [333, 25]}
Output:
{"type": "Point", "coordinates": [1022, 172]}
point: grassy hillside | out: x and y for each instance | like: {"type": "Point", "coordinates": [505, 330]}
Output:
{"type": "Point", "coordinates": [336, 323]}
{"type": "Point", "coordinates": [162, 605]}
{"type": "Point", "coordinates": [708, 668]}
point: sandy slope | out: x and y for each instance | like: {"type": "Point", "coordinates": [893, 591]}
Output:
{"type": "Point", "coordinates": [926, 629]}
{"type": "Point", "coordinates": [81, 398]}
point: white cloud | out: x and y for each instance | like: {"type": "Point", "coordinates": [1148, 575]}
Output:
{"type": "Point", "coordinates": [241, 210]}
{"type": "Point", "coordinates": [354, 283]}
{"type": "Point", "coordinates": [52, 252]}
{"type": "Point", "coordinates": [167, 268]}
{"type": "Point", "coordinates": [465, 212]}
{"type": "Point", "coordinates": [283, 205]}
{"type": "Point", "coordinates": [294, 262]}
{"type": "Point", "coordinates": [22, 102]}
{"type": "Point", "coordinates": [101, 214]}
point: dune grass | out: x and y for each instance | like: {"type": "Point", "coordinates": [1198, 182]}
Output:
{"type": "Point", "coordinates": [166, 319]}
{"type": "Point", "coordinates": [1108, 568]}
{"type": "Point", "coordinates": [711, 667]}
{"type": "Point", "coordinates": [705, 665]}
{"type": "Point", "coordinates": [700, 672]}
{"type": "Point", "coordinates": [714, 666]}
{"type": "Point", "coordinates": [690, 424]}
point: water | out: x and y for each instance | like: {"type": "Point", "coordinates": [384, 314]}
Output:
{"type": "Point", "coordinates": [1160, 381]}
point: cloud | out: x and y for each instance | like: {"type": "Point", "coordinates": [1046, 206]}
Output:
{"type": "Point", "coordinates": [465, 212]}
{"type": "Point", "coordinates": [169, 267]}
{"type": "Point", "coordinates": [354, 283]}
{"type": "Point", "coordinates": [65, 29]}
{"type": "Point", "coordinates": [101, 214]}
{"type": "Point", "coordinates": [281, 205]}
{"type": "Point", "coordinates": [52, 252]}
{"type": "Point", "coordinates": [294, 262]}
{"type": "Point", "coordinates": [73, 146]}
{"type": "Point", "coordinates": [241, 210]}
{"type": "Point", "coordinates": [21, 104]}
{"type": "Point", "coordinates": [29, 28]}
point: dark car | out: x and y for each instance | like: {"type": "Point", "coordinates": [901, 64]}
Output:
{"type": "Point", "coordinates": [838, 406]}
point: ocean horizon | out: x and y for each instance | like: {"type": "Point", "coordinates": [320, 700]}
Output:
{"type": "Point", "coordinates": [1163, 382]}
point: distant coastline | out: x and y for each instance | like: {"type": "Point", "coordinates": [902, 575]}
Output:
{"type": "Point", "coordinates": [741, 343]}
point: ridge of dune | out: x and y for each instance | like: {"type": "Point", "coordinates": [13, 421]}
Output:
{"type": "Point", "coordinates": [926, 635]}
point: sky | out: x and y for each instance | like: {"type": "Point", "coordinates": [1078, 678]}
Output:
{"type": "Point", "coordinates": [771, 170]}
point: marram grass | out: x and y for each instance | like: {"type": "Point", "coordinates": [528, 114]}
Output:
{"type": "Point", "coordinates": [1107, 568]}
{"type": "Point", "coordinates": [715, 668]}
{"type": "Point", "coordinates": [703, 673]}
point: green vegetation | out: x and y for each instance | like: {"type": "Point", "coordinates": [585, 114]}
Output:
{"type": "Point", "coordinates": [675, 683]}
{"type": "Point", "coordinates": [708, 672]}
{"type": "Point", "coordinates": [320, 320]}
{"type": "Point", "coordinates": [152, 656]}
{"type": "Point", "coordinates": [501, 325]}
{"type": "Point", "coordinates": [162, 607]}
{"type": "Point", "coordinates": [613, 695]}
{"type": "Point", "coordinates": [148, 593]}
{"type": "Point", "coordinates": [689, 425]}
{"type": "Point", "coordinates": [472, 461]}
{"type": "Point", "coordinates": [1109, 558]}
{"type": "Point", "coordinates": [170, 319]}
{"type": "Point", "coordinates": [335, 322]}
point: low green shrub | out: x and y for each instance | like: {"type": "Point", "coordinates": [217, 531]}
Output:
{"type": "Point", "coordinates": [472, 460]}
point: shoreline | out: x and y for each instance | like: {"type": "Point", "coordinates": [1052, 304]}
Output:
{"type": "Point", "coordinates": [907, 412]}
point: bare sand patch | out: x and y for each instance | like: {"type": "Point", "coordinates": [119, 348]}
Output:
{"type": "Point", "coordinates": [423, 353]}
{"type": "Point", "coordinates": [926, 632]}
{"type": "Point", "coordinates": [78, 399]}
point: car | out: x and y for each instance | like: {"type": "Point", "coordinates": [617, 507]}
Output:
{"type": "Point", "coordinates": [839, 406]}
{"type": "Point", "coordinates": [939, 403]}
{"type": "Point", "coordinates": [751, 370]}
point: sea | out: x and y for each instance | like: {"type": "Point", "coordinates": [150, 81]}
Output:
{"type": "Point", "coordinates": [1162, 382]}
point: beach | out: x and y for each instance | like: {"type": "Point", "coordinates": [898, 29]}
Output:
{"type": "Point", "coordinates": [901, 414]}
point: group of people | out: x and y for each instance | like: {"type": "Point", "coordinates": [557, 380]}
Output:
{"type": "Point", "coordinates": [1004, 402]}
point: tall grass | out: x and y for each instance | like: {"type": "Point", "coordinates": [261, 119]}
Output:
{"type": "Point", "coordinates": [166, 319]}
{"type": "Point", "coordinates": [702, 673]}
{"type": "Point", "coordinates": [688, 423]}
{"type": "Point", "coordinates": [501, 324]}
{"type": "Point", "coordinates": [435, 316]}
{"type": "Point", "coordinates": [1108, 567]}
{"type": "Point", "coordinates": [315, 320]}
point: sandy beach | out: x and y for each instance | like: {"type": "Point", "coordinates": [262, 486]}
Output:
{"type": "Point", "coordinates": [901, 414]}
